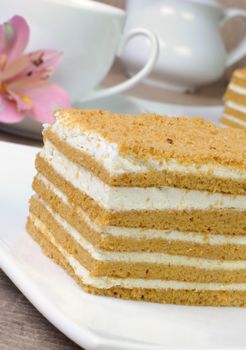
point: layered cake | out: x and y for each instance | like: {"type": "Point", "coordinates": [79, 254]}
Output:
{"type": "Point", "coordinates": [144, 207]}
{"type": "Point", "coordinates": [234, 114]}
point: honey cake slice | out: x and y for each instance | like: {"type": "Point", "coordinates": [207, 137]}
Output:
{"type": "Point", "coordinates": [234, 114]}
{"type": "Point", "coordinates": [144, 207]}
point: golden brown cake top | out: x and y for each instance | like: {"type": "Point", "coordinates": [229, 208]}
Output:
{"type": "Point", "coordinates": [150, 136]}
{"type": "Point", "coordinates": [240, 73]}
{"type": "Point", "coordinates": [238, 78]}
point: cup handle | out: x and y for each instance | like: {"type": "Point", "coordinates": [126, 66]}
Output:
{"type": "Point", "coordinates": [238, 53]}
{"type": "Point", "coordinates": [128, 84]}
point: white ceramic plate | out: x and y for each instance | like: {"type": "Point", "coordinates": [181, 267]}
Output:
{"type": "Point", "coordinates": [119, 104]}
{"type": "Point", "coordinates": [91, 321]}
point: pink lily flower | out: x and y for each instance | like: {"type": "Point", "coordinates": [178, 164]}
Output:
{"type": "Point", "coordinates": [24, 86]}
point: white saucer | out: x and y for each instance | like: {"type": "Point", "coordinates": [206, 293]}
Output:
{"type": "Point", "coordinates": [119, 104]}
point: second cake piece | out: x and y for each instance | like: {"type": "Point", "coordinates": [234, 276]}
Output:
{"type": "Point", "coordinates": [144, 207]}
{"type": "Point", "coordinates": [234, 114]}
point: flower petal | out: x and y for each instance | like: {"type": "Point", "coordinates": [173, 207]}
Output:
{"type": "Point", "coordinates": [45, 100]}
{"type": "Point", "coordinates": [15, 69]}
{"type": "Point", "coordinates": [37, 65]}
{"type": "Point", "coordinates": [8, 112]}
{"type": "Point", "coordinates": [45, 61]}
{"type": "Point", "coordinates": [2, 39]}
{"type": "Point", "coordinates": [16, 38]}
{"type": "Point", "coordinates": [25, 84]}
{"type": "Point", "coordinates": [23, 102]}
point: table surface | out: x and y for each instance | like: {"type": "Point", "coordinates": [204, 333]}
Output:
{"type": "Point", "coordinates": [22, 327]}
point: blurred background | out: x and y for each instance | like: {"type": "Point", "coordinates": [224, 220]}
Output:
{"type": "Point", "coordinates": [191, 52]}
{"type": "Point", "coordinates": [211, 94]}
{"type": "Point", "coordinates": [231, 36]}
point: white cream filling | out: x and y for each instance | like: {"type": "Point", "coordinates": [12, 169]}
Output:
{"type": "Point", "coordinates": [236, 106]}
{"type": "Point", "coordinates": [146, 257]}
{"type": "Point", "coordinates": [136, 198]}
{"type": "Point", "coordinates": [107, 154]}
{"type": "Point", "coordinates": [109, 282]}
{"type": "Point", "coordinates": [141, 233]}
{"type": "Point", "coordinates": [234, 119]}
{"type": "Point", "coordinates": [98, 148]}
{"type": "Point", "coordinates": [238, 89]}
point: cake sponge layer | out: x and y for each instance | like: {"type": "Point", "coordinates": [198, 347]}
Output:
{"type": "Point", "coordinates": [226, 221]}
{"type": "Point", "coordinates": [188, 179]}
{"type": "Point", "coordinates": [239, 77]}
{"type": "Point", "coordinates": [230, 122]}
{"type": "Point", "coordinates": [235, 97]}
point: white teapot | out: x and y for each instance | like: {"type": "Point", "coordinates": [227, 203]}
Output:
{"type": "Point", "coordinates": [192, 52]}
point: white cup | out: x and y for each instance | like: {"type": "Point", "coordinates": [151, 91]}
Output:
{"type": "Point", "coordinates": [90, 36]}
